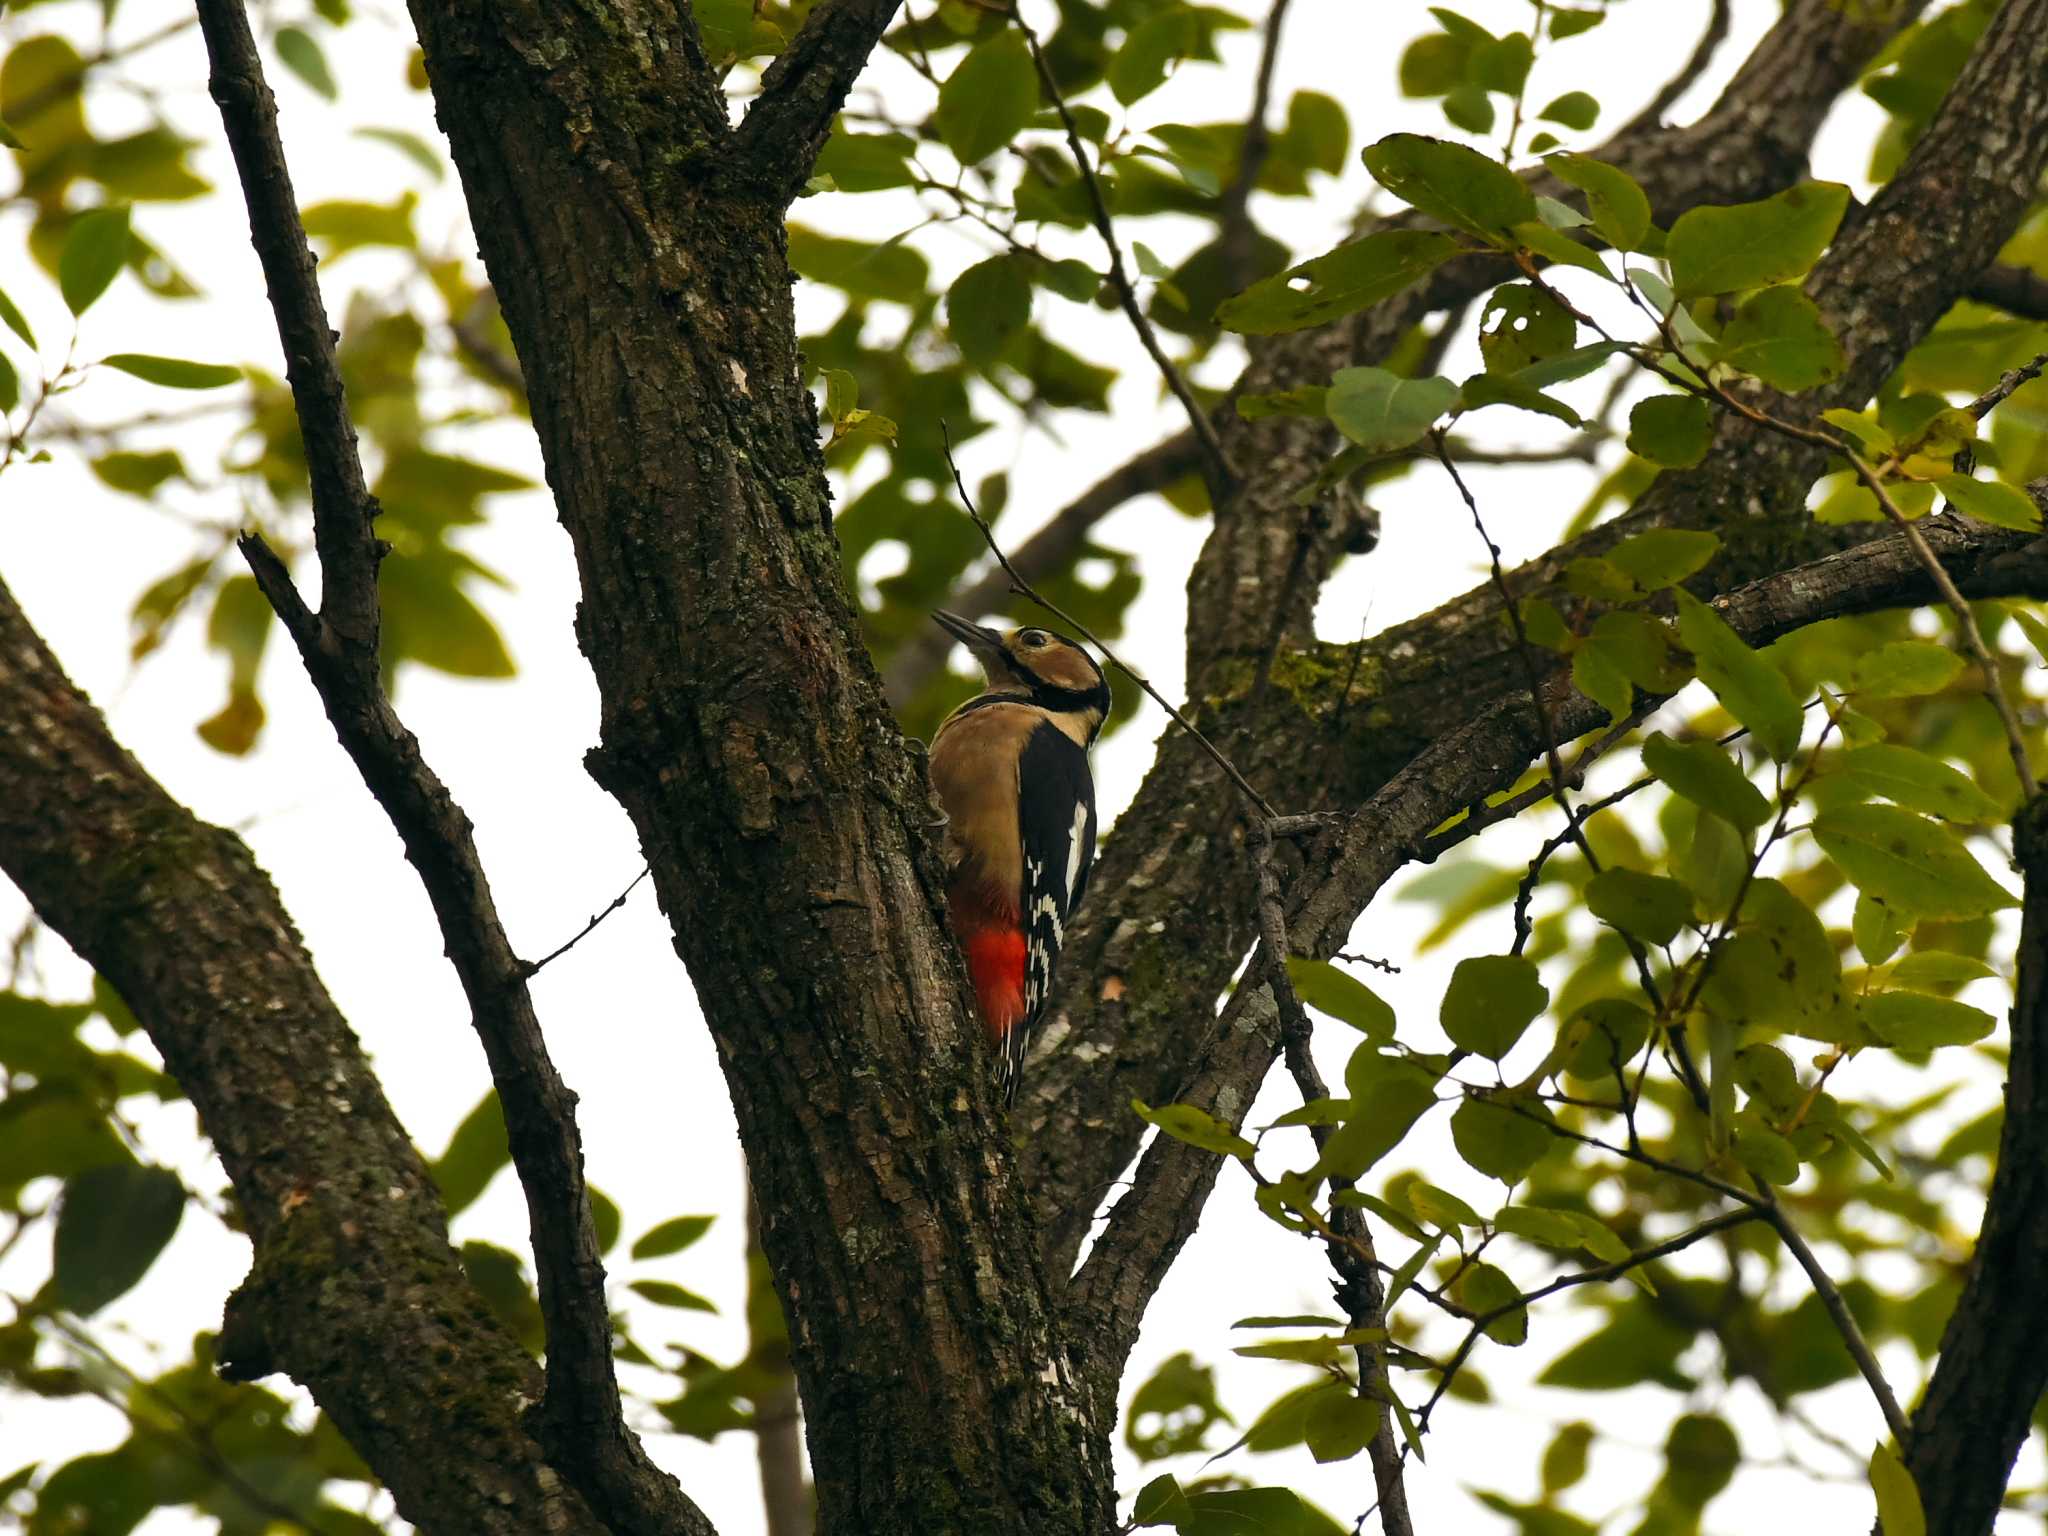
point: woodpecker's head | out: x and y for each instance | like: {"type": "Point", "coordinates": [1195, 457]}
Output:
{"type": "Point", "coordinates": [1036, 665]}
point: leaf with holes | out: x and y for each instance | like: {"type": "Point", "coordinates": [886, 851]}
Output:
{"type": "Point", "coordinates": [1336, 284]}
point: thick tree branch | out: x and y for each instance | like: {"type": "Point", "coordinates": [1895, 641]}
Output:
{"type": "Point", "coordinates": [582, 1420]}
{"type": "Point", "coordinates": [352, 1267]}
{"type": "Point", "coordinates": [789, 829]}
{"type": "Point", "coordinates": [1652, 115]}
{"type": "Point", "coordinates": [1147, 957]}
{"type": "Point", "coordinates": [2015, 290]}
{"type": "Point", "coordinates": [778, 140]}
{"type": "Point", "coordinates": [1975, 1414]}
{"type": "Point", "coordinates": [1349, 866]}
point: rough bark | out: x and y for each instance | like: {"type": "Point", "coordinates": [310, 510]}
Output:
{"type": "Point", "coordinates": [352, 1265]}
{"type": "Point", "coordinates": [1170, 912]}
{"type": "Point", "coordinates": [743, 729]}
{"type": "Point", "coordinates": [1970, 1423]}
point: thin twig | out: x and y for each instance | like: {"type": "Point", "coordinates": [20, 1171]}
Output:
{"type": "Point", "coordinates": [1024, 588]}
{"type": "Point", "coordinates": [1352, 1259]}
{"type": "Point", "coordinates": [1838, 1312]}
{"type": "Point", "coordinates": [1966, 621]}
{"type": "Point", "coordinates": [532, 968]}
{"type": "Point", "coordinates": [1238, 240]}
{"type": "Point", "coordinates": [1652, 115]}
{"type": "Point", "coordinates": [1044, 554]}
{"type": "Point", "coordinates": [1120, 279]}
{"type": "Point", "coordinates": [1613, 1271]}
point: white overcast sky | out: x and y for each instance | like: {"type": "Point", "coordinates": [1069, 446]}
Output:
{"type": "Point", "coordinates": [618, 1010]}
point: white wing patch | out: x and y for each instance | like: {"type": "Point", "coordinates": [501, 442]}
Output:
{"type": "Point", "coordinates": [1077, 844]}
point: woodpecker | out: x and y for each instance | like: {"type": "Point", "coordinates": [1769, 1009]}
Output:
{"type": "Point", "coordinates": [1011, 770]}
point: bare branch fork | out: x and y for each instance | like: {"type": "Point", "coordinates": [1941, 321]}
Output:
{"type": "Point", "coordinates": [580, 1421]}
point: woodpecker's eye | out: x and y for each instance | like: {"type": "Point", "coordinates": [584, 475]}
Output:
{"type": "Point", "coordinates": [1034, 638]}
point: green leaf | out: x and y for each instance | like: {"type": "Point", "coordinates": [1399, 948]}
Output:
{"type": "Point", "coordinates": [1876, 929]}
{"type": "Point", "coordinates": [1139, 67]}
{"type": "Point", "coordinates": [1389, 1094]}
{"type": "Point", "coordinates": [1913, 1021]}
{"type": "Point", "coordinates": [10, 386]}
{"type": "Point", "coordinates": [671, 1236]}
{"type": "Point", "coordinates": [1160, 1502]}
{"type": "Point", "coordinates": [344, 224]}
{"type": "Point", "coordinates": [1991, 501]}
{"type": "Point", "coordinates": [1918, 782]}
{"type": "Point", "coordinates": [138, 474]}
{"type": "Point", "coordinates": [94, 252]}
{"type": "Point", "coordinates": [726, 27]}
{"type": "Point", "coordinates": [1484, 389]}
{"type": "Point", "coordinates": [1601, 678]}
{"type": "Point", "coordinates": [1911, 864]}
{"type": "Point", "coordinates": [1566, 22]}
{"type": "Point", "coordinates": [1753, 245]}
{"type": "Point", "coordinates": [1484, 1288]}
{"type": "Point", "coordinates": [1899, 1512]}
{"type": "Point", "coordinates": [1447, 181]}
{"type": "Point", "coordinates": [410, 145]}
{"type": "Point", "coordinates": [1663, 557]}
{"type": "Point", "coordinates": [1875, 440]}
{"type": "Point", "coordinates": [988, 304]}
{"type": "Point", "coordinates": [1904, 669]}
{"type": "Point", "coordinates": [1196, 1127]}
{"type": "Point", "coordinates": [1555, 245]}
{"type": "Point", "coordinates": [1337, 283]}
{"type": "Point", "coordinates": [1341, 995]}
{"type": "Point", "coordinates": [1749, 687]}
{"type": "Point", "coordinates": [475, 1153]}
{"type": "Point", "coordinates": [1381, 411]}
{"type": "Point", "coordinates": [1490, 1001]}
{"type": "Point", "coordinates": [1566, 366]}
{"type": "Point", "coordinates": [1938, 968]}
{"type": "Point", "coordinates": [1564, 1459]}
{"type": "Point", "coordinates": [1574, 109]}
{"type": "Point", "coordinates": [1498, 1140]}
{"type": "Point", "coordinates": [1778, 336]}
{"type": "Point", "coordinates": [1340, 1425]}
{"type": "Point", "coordinates": [1674, 431]}
{"type": "Point", "coordinates": [1608, 1033]}
{"type": "Point", "coordinates": [300, 53]}
{"type": "Point", "coordinates": [1652, 907]}
{"type": "Point", "coordinates": [1470, 108]}
{"type": "Point", "coordinates": [14, 320]}
{"type": "Point", "coordinates": [1438, 1208]}
{"type": "Point", "coordinates": [605, 1220]}
{"type": "Point", "coordinates": [1766, 1154]}
{"type": "Point", "coordinates": [1703, 772]}
{"type": "Point", "coordinates": [665, 1293]}
{"type": "Point", "coordinates": [114, 1221]}
{"type": "Point", "coordinates": [173, 372]}
{"type": "Point", "coordinates": [988, 99]}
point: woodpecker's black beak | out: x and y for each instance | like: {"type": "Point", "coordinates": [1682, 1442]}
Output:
{"type": "Point", "coordinates": [986, 644]}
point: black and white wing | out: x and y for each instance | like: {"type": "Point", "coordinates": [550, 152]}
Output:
{"type": "Point", "coordinates": [1056, 821]}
